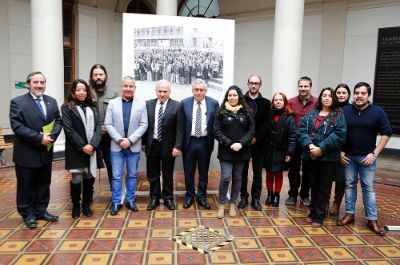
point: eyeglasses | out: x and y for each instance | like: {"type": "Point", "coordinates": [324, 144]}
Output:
{"type": "Point", "coordinates": [253, 83]}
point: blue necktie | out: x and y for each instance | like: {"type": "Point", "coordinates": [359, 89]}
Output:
{"type": "Point", "coordinates": [159, 123]}
{"type": "Point", "coordinates": [39, 105]}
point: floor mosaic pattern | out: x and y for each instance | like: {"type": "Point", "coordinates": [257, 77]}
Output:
{"type": "Point", "coordinates": [271, 236]}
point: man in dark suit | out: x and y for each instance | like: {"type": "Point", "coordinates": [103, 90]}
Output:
{"type": "Point", "coordinates": [162, 142]}
{"type": "Point", "coordinates": [198, 141]}
{"type": "Point", "coordinates": [33, 149]}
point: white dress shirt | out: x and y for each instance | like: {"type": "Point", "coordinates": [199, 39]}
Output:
{"type": "Point", "coordinates": [203, 118]}
{"type": "Point", "coordinates": [155, 133]}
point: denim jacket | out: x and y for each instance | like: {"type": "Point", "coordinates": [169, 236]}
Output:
{"type": "Point", "coordinates": [329, 136]}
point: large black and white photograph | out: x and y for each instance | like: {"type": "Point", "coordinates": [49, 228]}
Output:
{"type": "Point", "coordinates": [178, 49]}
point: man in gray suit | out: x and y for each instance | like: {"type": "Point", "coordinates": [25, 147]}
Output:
{"type": "Point", "coordinates": [162, 142]}
{"type": "Point", "coordinates": [126, 122]}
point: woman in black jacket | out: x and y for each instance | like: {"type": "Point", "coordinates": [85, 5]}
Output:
{"type": "Point", "coordinates": [343, 93]}
{"type": "Point", "coordinates": [234, 129]}
{"type": "Point", "coordinates": [82, 130]}
{"type": "Point", "coordinates": [281, 146]}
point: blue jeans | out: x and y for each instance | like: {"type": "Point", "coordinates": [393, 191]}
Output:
{"type": "Point", "coordinates": [356, 169]}
{"type": "Point", "coordinates": [118, 160]}
{"type": "Point", "coordinates": [230, 170]}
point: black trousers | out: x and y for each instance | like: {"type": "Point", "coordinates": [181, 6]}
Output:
{"type": "Point", "coordinates": [105, 152]}
{"type": "Point", "coordinates": [33, 190]}
{"type": "Point", "coordinates": [155, 165]}
{"type": "Point", "coordinates": [197, 156]}
{"type": "Point", "coordinates": [295, 179]}
{"type": "Point", "coordinates": [257, 160]}
{"type": "Point", "coordinates": [321, 177]}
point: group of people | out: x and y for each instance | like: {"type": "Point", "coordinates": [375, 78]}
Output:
{"type": "Point", "coordinates": [326, 138]}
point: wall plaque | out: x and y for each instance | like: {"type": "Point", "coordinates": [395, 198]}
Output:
{"type": "Point", "coordinates": [387, 75]}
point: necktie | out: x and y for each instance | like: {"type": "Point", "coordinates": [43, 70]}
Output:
{"type": "Point", "coordinates": [197, 128]}
{"type": "Point", "coordinates": [159, 123]}
{"type": "Point", "coordinates": [39, 105]}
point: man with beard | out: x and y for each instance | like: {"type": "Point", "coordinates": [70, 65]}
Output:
{"type": "Point", "coordinates": [33, 149]}
{"type": "Point", "coordinates": [101, 96]}
{"type": "Point", "coordinates": [364, 121]}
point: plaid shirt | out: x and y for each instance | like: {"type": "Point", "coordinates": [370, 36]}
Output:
{"type": "Point", "coordinates": [329, 135]}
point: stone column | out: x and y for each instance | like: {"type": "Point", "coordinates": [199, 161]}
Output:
{"type": "Point", "coordinates": [47, 49]}
{"type": "Point", "coordinates": [167, 7]}
{"type": "Point", "coordinates": [286, 55]}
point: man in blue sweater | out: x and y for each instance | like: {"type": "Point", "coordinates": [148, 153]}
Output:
{"type": "Point", "coordinates": [364, 122]}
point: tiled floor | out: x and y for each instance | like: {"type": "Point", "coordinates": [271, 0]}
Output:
{"type": "Point", "coordinates": [272, 236]}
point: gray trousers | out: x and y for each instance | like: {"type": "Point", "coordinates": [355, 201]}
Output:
{"type": "Point", "coordinates": [230, 169]}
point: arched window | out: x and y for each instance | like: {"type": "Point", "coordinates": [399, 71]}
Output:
{"type": "Point", "coordinates": [199, 8]}
{"type": "Point", "coordinates": [139, 7]}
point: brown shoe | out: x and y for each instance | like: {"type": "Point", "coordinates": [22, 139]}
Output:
{"type": "Point", "coordinates": [335, 209]}
{"type": "Point", "coordinates": [347, 219]}
{"type": "Point", "coordinates": [373, 226]}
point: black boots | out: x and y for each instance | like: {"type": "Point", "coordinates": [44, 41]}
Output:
{"type": "Point", "coordinates": [275, 200]}
{"type": "Point", "coordinates": [87, 196]}
{"type": "Point", "coordinates": [243, 203]}
{"type": "Point", "coordinates": [75, 191]}
{"type": "Point", "coordinates": [269, 199]}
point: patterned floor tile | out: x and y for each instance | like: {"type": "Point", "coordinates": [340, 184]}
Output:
{"type": "Point", "coordinates": [259, 221]}
{"type": "Point", "coordinates": [112, 223]}
{"type": "Point", "coordinates": [132, 245]}
{"type": "Point", "coordinates": [265, 231]}
{"type": "Point", "coordinates": [301, 241]}
{"type": "Point", "coordinates": [164, 233]}
{"type": "Point", "coordinates": [64, 259]}
{"type": "Point", "coordinates": [87, 223]}
{"type": "Point", "coordinates": [13, 246]}
{"type": "Point", "coordinates": [240, 232]}
{"type": "Point", "coordinates": [273, 242]}
{"type": "Point", "coordinates": [235, 222]}
{"type": "Point", "coordinates": [98, 259]}
{"type": "Point", "coordinates": [31, 259]}
{"type": "Point", "coordinates": [390, 252]}
{"type": "Point", "coordinates": [163, 222]}
{"type": "Point", "coordinates": [80, 233]}
{"type": "Point", "coordinates": [23, 233]}
{"type": "Point", "coordinates": [222, 257]}
{"type": "Point", "coordinates": [284, 255]}
{"type": "Point", "coordinates": [338, 253]}
{"type": "Point", "coordinates": [245, 243]}
{"type": "Point", "coordinates": [325, 241]}
{"type": "Point", "coordinates": [168, 214]}
{"type": "Point", "coordinates": [315, 231]}
{"type": "Point", "coordinates": [134, 233]}
{"type": "Point", "coordinates": [73, 245]}
{"type": "Point", "coordinates": [102, 245]}
{"type": "Point", "coordinates": [160, 245]}
{"type": "Point", "coordinates": [310, 254]}
{"type": "Point", "coordinates": [42, 246]}
{"type": "Point", "coordinates": [253, 256]}
{"type": "Point", "coordinates": [107, 233]}
{"type": "Point", "coordinates": [128, 258]}
{"type": "Point", "coordinates": [160, 258]}
{"type": "Point", "coordinates": [187, 223]}
{"type": "Point", "coordinates": [282, 221]}
{"type": "Point", "coordinates": [290, 231]}
{"type": "Point", "coordinates": [350, 240]}
{"type": "Point", "coordinates": [365, 252]}
{"type": "Point", "coordinates": [6, 259]}
{"type": "Point", "coordinates": [191, 258]}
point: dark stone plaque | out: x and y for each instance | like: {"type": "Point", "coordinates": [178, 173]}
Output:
{"type": "Point", "coordinates": [387, 75]}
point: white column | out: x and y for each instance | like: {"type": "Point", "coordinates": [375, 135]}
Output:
{"type": "Point", "coordinates": [167, 7]}
{"type": "Point", "coordinates": [47, 48]}
{"type": "Point", "coordinates": [286, 55]}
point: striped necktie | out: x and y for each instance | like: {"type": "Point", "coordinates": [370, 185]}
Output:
{"type": "Point", "coordinates": [159, 123]}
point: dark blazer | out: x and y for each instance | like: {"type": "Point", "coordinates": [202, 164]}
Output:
{"type": "Point", "coordinates": [172, 127]}
{"type": "Point", "coordinates": [75, 138]}
{"type": "Point", "coordinates": [26, 122]}
{"type": "Point", "coordinates": [229, 129]}
{"type": "Point", "coordinates": [187, 113]}
{"type": "Point", "coordinates": [281, 142]}
{"type": "Point", "coordinates": [262, 117]}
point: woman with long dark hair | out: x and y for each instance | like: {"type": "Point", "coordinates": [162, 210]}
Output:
{"type": "Point", "coordinates": [234, 129]}
{"type": "Point", "coordinates": [82, 130]}
{"type": "Point", "coordinates": [281, 146]}
{"type": "Point", "coordinates": [343, 93]}
{"type": "Point", "coordinates": [321, 134]}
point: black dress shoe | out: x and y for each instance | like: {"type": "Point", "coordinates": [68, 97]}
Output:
{"type": "Point", "coordinates": [153, 204]}
{"type": "Point", "coordinates": [188, 202]}
{"type": "Point", "coordinates": [169, 204]}
{"type": "Point", "coordinates": [47, 217]}
{"type": "Point", "coordinates": [256, 205]}
{"type": "Point", "coordinates": [132, 206]}
{"type": "Point", "coordinates": [30, 223]}
{"type": "Point", "coordinates": [115, 207]}
{"type": "Point", "coordinates": [243, 203]}
{"type": "Point", "coordinates": [204, 204]}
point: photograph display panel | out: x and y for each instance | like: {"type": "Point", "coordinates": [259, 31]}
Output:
{"type": "Point", "coordinates": [178, 49]}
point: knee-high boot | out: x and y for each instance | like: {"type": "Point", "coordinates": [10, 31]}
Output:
{"type": "Point", "coordinates": [75, 191]}
{"type": "Point", "coordinates": [87, 196]}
